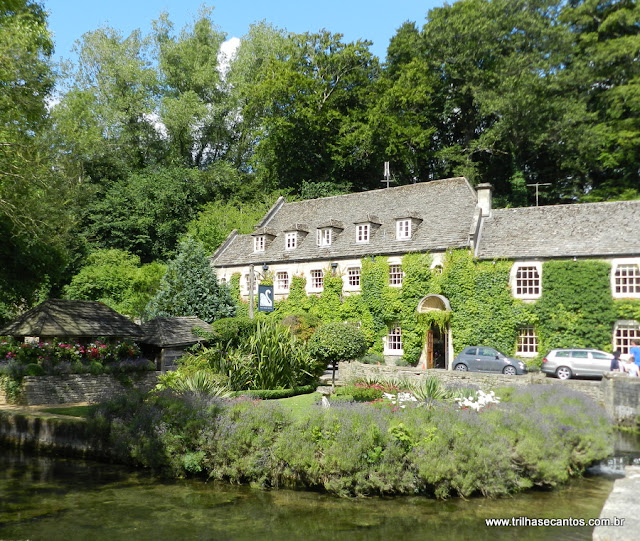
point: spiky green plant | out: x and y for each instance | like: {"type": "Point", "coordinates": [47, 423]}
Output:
{"type": "Point", "coordinates": [200, 382]}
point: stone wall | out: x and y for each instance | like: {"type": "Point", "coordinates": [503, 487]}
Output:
{"type": "Point", "coordinates": [484, 381]}
{"type": "Point", "coordinates": [621, 395]}
{"type": "Point", "coordinates": [75, 388]}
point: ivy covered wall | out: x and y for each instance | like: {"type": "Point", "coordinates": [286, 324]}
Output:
{"type": "Point", "coordinates": [576, 308]}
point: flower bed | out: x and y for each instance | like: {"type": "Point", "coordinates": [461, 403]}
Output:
{"type": "Point", "coordinates": [60, 358]}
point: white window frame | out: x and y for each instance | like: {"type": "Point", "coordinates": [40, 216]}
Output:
{"type": "Point", "coordinates": [363, 233]}
{"type": "Point", "coordinates": [353, 278]}
{"type": "Point", "coordinates": [621, 284]}
{"type": "Point", "coordinates": [527, 345]}
{"type": "Point", "coordinates": [624, 331]}
{"type": "Point", "coordinates": [282, 281]}
{"type": "Point", "coordinates": [395, 275]}
{"type": "Point", "coordinates": [323, 236]}
{"type": "Point", "coordinates": [403, 229]}
{"type": "Point", "coordinates": [393, 341]}
{"type": "Point", "coordinates": [246, 283]}
{"type": "Point", "coordinates": [316, 282]}
{"type": "Point", "coordinates": [526, 287]}
{"type": "Point", "coordinates": [258, 243]}
{"type": "Point", "coordinates": [291, 240]}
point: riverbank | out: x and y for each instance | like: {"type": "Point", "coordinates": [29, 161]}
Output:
{"type": "Point", "coordinates": [537, 436]}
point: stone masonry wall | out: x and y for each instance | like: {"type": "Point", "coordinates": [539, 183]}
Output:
{"type": "Point", "coordinates": [484, 381]}
{"type": "Point", "coordinates": [73, 388]}
{"type": "Point", "coordinates": [621, 395]}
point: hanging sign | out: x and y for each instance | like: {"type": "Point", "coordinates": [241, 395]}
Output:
{"type": "Point", "coordinates": [265, 298]}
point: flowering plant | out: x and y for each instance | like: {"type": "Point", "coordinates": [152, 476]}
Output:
{"type": "Point", "coordinates": [481, 400]}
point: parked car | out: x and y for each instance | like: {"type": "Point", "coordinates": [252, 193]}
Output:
{"type": "Point", "coordinates": [485, 359]}
{"type": "Point", "coordinates": [576, 362]}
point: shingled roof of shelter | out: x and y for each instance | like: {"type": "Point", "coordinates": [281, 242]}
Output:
{"type": "Point", "coordinates": [173, 331]}
{"type": "Point", "coordinates": [64, 318]}
{"type": "Point", "coordinates": [577, 230]}
{"type": "Point", "coordinates": [446, 208]}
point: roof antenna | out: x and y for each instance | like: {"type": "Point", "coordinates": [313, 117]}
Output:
{"type": "Point", "coordinates": [387, 174]}
{"type": "Point", "coordinates": [537, 185]}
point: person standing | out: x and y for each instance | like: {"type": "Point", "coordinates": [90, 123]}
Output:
{"type": "Point", "coordinates": [635, 351]}
{"type": "Point", "coordinates": [615, 362]}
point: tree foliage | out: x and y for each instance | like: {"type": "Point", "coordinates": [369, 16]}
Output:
{"type": "Point", "coordinates": [190, 288]}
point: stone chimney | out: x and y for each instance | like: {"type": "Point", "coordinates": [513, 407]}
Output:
{"type": "Point", "coordinates": [484, 198]}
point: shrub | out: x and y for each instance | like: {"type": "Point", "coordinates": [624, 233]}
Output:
{"type": "Point", "coordinates": [232, 331]}
{"type": "Point", "coordinates": [302, 325]}
{"type": "Point", "coordinates": [372, 358]}
{"type": "Point", "coordinates": [34, 370]}
{"type": "Point", "coordinates": [336, 342]}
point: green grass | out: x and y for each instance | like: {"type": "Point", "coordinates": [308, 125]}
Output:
{"type": "Point", "coordinates": [301, 403]}
{"type": "Point", "coordinates": [73, 411]}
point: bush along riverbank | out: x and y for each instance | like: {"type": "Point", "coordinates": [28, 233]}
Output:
{"type": "Point", "coordinates": [534, 436]}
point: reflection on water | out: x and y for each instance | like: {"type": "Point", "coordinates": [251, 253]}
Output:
{"type": "Point", "coordinates": [56, 499]}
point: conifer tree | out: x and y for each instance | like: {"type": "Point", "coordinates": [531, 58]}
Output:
{"type": "Point", "coordinates": [190, 288]}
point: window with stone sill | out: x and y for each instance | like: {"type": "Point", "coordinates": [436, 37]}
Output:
{"type": "Point", "coordinates": [527, 345]}
{"type": "Point", "coordinates": [317, 280]}
{"type": "Point", "coordinates": [353, 277]}
{"type": "Point", "coordinates": [395, 275]}
{"type": "Point", "coordinates": [526, 281]}
{"type": "Point", "coordinates": [394, 339]}
{"type": "Point", "coordinates": [623, 332]}
{"type": "Point", "coordinates": [626, 282]}
{"type": "Point", "coordinates": [282, 281]}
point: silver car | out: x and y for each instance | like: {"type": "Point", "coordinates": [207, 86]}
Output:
{"type": "Point", "coordinates": [571, 363]}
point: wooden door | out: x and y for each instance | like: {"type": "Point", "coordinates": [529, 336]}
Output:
{"type": "Point", "coordinates": [429, 348]}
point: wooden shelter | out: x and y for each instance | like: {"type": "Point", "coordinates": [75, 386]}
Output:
{"type": "Point", "coordinates": [169, 336]}
{"type": "Point", "coordinates": [80, 320]}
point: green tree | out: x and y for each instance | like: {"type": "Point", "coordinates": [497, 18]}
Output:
{"type": "Point", "coordinates": [147, 212]}
{"type": "Point", "coordinates": [605, 68]}
{"type": "Point", "coordinates": [310, 100]}
{"type": "Point", "coordinates": [190, 288]}
{"type": "Point", "coordinates": [335, 342]}
{"type": "Point", "coordinates": [34, 220]}
{"type": "Point", "coordinates": [217, 219]}
{"type": "Point", "coordinates": [194, 104]}
{"type": "Point", "coordinates": [117, 279]}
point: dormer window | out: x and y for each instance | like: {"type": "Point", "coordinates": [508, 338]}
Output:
{"type": "Point", "coordinates": [327, 232]}
{"type": "Point", "coordinates": [403, 229]}
{"type": "Point", "coordinates": [291, 240]}
{"type": "Point", "coordinates": [324, 237]}
{"type": "Point", "coordinates": [363, 233]}
{"type": "Point", "coordinates": [262, 237]}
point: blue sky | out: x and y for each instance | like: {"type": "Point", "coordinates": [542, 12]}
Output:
{"type": "Point", "coordinates": [375, 20]}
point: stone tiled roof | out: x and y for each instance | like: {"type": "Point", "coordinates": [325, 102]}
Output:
{"type": "Point", "coordinates": [173, 331]}
{"type": "Point", "coordinates": [446, 208]}
{"type": "Point", "coordinates": [578, 230]}
{"type": "Point", "coordinates": [63, 318]}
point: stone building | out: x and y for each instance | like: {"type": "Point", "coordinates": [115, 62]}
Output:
{"type": "Point", "coordinates": [309, 238]}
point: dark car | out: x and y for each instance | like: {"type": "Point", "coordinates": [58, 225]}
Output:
{"type": "Point", "coordinates": [485, 359]}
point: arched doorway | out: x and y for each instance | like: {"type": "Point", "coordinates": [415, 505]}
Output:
{"type": "Point", "coordinates": [436, 310]}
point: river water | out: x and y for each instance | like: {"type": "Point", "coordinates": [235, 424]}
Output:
{"type": "Point", "coordinates": [51, 499]}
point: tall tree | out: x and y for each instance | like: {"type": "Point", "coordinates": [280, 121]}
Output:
{"type": "Point", "coordinates": [190, 288]}
{"type": "Point", "coordinates": [310, 99]}
{"type": "Point", "coordinates": [606, 67]}
{"type": "Point", "coordinates": [194, 104]}
{"type": "Point", "coordinates": [33, 217]}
